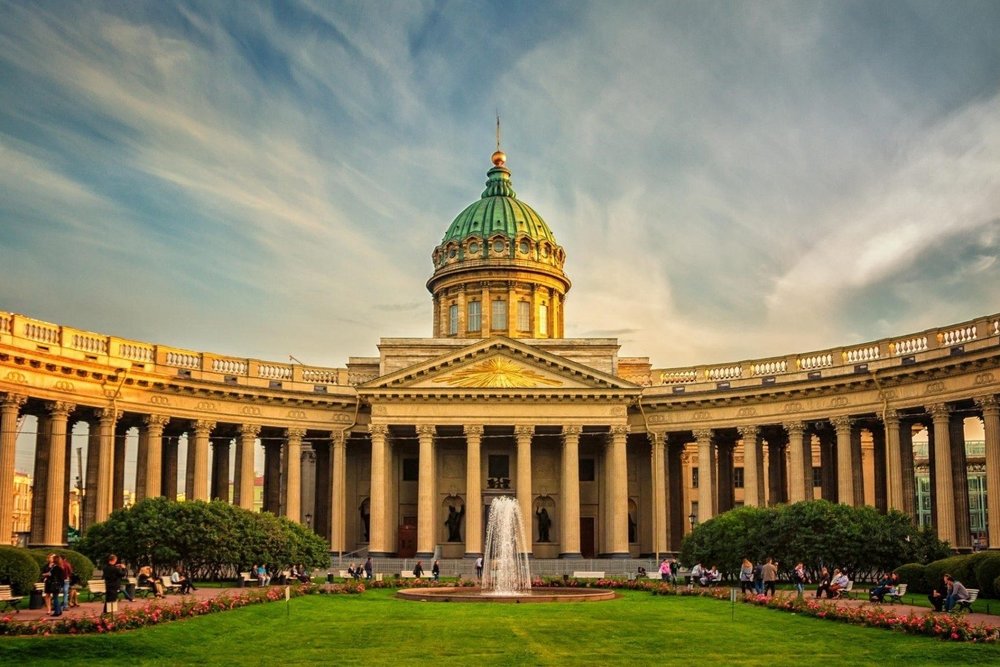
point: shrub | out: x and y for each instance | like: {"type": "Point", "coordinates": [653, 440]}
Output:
{"type": "Point", "coordinates": [935, 571]}
{"type": "Point", "coordinates": [82, 566]}
{"type": "Point", "coordinates": [987, 572]}
{"type": "Point", "coordinates": [19, 569]}
{"type": "Point", "coordinates": [912, 574]}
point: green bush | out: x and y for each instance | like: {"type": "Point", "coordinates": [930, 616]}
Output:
{"type": "Point", "coordinates": [19, 569]}
{"type": "Point", "coordinates": [987, 571]}
{"type": "Point", "coordinates": [935, 571]}
{"type": "Point", "coordinates": [41, 558]}
{"type": "Point", "coordinates": [82, 566]}
{"type": "Point", "coordinates": [912, 574]}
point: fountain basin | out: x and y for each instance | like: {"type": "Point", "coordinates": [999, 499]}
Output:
{"type": "Point", "coordinates": [471, 594]}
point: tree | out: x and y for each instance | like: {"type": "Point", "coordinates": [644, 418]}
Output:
{"type": "Point", "coordinates": [209, 539]}
{"type": "Point", "coordinates": [860, 540]}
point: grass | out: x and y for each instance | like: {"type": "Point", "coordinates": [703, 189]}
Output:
{"type": "Point", "coordinates": [375, 629]}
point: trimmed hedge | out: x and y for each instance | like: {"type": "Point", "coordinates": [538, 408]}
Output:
{"type": "Point", "coordinates": [934, 573]}
{"type": "Point", "coordinates": [82, 566]}
{"type": "Point", "coordinates": [913, 575]}
{"type": "Point", "coordinates": [988, 573]}
{"type": "Point", "coordinates": [19, 569]}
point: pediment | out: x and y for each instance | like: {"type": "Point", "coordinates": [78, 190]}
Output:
{"type": "Point", "coordinates": [499, 364]}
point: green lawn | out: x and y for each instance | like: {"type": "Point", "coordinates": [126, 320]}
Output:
{"type": "Point", "coordinates": [375, 628]}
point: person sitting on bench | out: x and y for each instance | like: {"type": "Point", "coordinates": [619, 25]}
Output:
{"type": "Point", "coordinates": [957, 593]}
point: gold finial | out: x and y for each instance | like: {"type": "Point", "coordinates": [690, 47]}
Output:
{"type": "Point", "coordinates": [498, 158]}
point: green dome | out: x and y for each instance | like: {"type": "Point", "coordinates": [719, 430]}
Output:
{"type": "Point", "coordinates": [499, 211]}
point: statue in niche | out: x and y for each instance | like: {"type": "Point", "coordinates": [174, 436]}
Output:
{"type": "Point", "coordinates": [544, 523]}
{"type": "Point", "coordinates": [631, 528]}
{"type": "Point", "coordinates": [365, 520]}
{"type": "Point", "coordinates": [454, 523]}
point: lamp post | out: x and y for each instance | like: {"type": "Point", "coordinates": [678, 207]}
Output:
{"type": "Point", "coordinates": [693, 519]}
{"type": "Point", "coordinates": [309, 521]}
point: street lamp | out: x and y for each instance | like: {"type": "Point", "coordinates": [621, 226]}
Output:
{"type": "Point", "coordinates": [693, 519]}
{"type": "Point", "coordinates": [309, 521]}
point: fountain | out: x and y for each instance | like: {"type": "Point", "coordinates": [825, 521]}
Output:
{"type": "Point", "coordinates": [506, 572]}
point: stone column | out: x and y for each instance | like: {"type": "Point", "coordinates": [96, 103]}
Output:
{"type": "Point", "coordinates": [796, 462]}
{"type": "Point", "coordinates": [378, 530]}
{"type": "Point", "coordinates": [705, 491]}
{"type": "Point", "coordinates": [244, 463]}
{"type": "Point", "coordinates": [486, 316]}
{"type": "Point", "coordinates": [523, 435]}
{"type": "Point", "coordinates": [569, 493]}
{"type": "Point", "coordinates": [10, 408]}
{"type": "Point", "coordinates": [141, 461]}
{"type": "Point", "coordinates": [619, 491]}
{"type": "Point", "coordinates": [40, 479]}
{"type": "Point", "coordinates": [55, 498]}
{"type": "Point", "coordinates": [657, 451]}
{"type": "Point", "coordinates": [960, 483]}
{"type": "Point", "coordinates": [169, 479]}
{"type": "Point", "coordinates": [845, 461]}
{"type": "Point", "coordinates": [307, 487]}
{"type": "Point", "coordinates": [105, 462]}
{"type": "Point", "coordinates": [906, 465]}
{"type": "Point", "coordinates": [945, 510]}
{"type": "Point", "coordinates": [118, 475]}
{"type": "Point", "coordinates": [293, 483]}
{"type": "Point", "coordinates": [220, 468]}
{"type": "Point", "coordinates": [723, 482]}
{"type": "Point", "coordinates": [990, 407]}
{"type": "Point", "coordinates": [858, 467]}
{"type": "Point", "coordinates": [426, 493]}
{"type": "Point", "coordinates": [202, 432]}
{"type": "Point", "coordinates": [752, 463]}
{"type": "Point", "coordinates": [511, 310]}
{"type": "Point", "coordinates": [879, 456]}
{"type": "Point", "coordinates": [894, 462]}
{"type": "Point", "coordinates": [338, 492]}
{"type": "Point", "coordinates": [473, 491]}
{"type": "Point", "coordinates": [152, 433]}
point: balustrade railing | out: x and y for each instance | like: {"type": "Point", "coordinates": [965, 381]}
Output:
{"type": "Point", "coordinates": [274, 372]}
{"type": "Point", "coordinates": [41, 333]}
{"type": "Point", "coordinates": [814, 361]}
{"type": "Point", "coordinates": [86, 343]}
{"type": "Point", "coordinates": [230, 366]}
{"type": "Point", "coordinates": [183, 360]}
{"type": "Point", "coordinates": [769, 367]}
{"type": "Point", "coordinates": [867, 353]}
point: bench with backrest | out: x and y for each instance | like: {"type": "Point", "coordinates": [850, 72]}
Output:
{"type": "Point", "coordinates": [653, 575]}
{"type": "Point", "coordinates": [587, 574]}
{"type": "Point", "coordinates": [9, 600]}
{"type": "Point", "coordinates": [966, 605]}
{"type": "Point", "coordinates": [845, 592]}
{"type": "Point", "coordinates": [897, 593]}
{"type": "Point", "coordinates": [408, 575]}
{"type": "Point", "coordinates": [248, 579]}
{"type": "Point", "coordinates": [96, 587]}
{"type": "Point", "coordinates": [169, 586]}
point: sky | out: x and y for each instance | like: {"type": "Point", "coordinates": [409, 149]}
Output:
{"type": "Point", "coordinates": [730, 180]}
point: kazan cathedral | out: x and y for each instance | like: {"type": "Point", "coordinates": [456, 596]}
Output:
{"type": "Point", "coordinates": [402, 454]}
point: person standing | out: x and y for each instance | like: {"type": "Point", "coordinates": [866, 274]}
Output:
{"type": "Point", "coordinates": [418, 569]}
{"type": "Point", "coordinates": [112, 573]}
{"type": "Point", "coordinates": [664, 570]}
{"type": "Point", "coordinates": [799, 578]}
{"type": "Point", "coordinates": [54, 584]}
{"type": "Point", "coordinates": [746, 576]}
{"type": "Point", "coordinates": [479, 568]}
{"type": "Point", "coordinates": [68, 572]}
{"type": "Point", "coordinates": [436, 570]}
{"type": "Point", "coordinates": [769, 574]}
{"type": "Point", "coordinates": [369, 568]}
{"type": "Point", "coordinates": [50, 562]}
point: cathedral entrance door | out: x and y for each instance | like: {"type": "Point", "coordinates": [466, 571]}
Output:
{"type": "Point", "coordinates": [408, 538]}
{"type": "Point", "coordinates": [588, 543]}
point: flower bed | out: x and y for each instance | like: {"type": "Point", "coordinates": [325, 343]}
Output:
{"type": "Point", "coordinates": [129, 618]}
{"type": "Point", "coordinates": [951, 627]}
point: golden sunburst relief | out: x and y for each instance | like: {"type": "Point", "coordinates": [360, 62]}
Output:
{"type": "Point", "coordinates": [497, 372]}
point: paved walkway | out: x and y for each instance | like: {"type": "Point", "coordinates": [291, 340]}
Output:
{"type": "Point", "coordinates": [95, 607]}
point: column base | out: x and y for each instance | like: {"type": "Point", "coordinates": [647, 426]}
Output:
{"type": "Point", "coordinates": [424, 555]}
{"type": "Point", "coordinates": [571, 555]}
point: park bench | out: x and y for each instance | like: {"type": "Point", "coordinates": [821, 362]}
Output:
{"type": "Point", "coordinates": [653, 575]}
{"type": "Point", "coordinates": [96, 587]}
{"type": "Point", "coordinates": [897, 593]}
{"type": "Point", "coordinates": [9, 600]}
{"type": "Point", "coordinates": [248, 579]}
{"type": "Point", "coordinates": [966, 605]}
{"type": "Point", "coordinates": [408, 575]}
{"type": "Point", "coordinates": [587, 574]}
{"type": "Point", "coordinates": [846, 591]}
{"type": "Point", "coordinates": [169, 586]}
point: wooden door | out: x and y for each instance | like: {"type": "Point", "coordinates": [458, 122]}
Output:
{"type": "Point", "coordinates": [588, 537]}
{"type": "Point", "coordinates": [408, 538]}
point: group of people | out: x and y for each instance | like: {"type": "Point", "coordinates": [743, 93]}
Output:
{"type": "Point", "coordinates": [418, 569]}
{"type": "Point", "coordinates": [760, 578]}
{"type": "Point", "coordinates": [668, 570]}
{"type": "Point", "coordinates": [357, 571]}
{"type": "Point", "coordinates": [57, 581]}
{"type": "Point", "coordinates": [948, 594]}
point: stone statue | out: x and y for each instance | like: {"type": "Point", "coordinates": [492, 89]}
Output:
{"type": "Point", "coordinates": [454, 523]}
{"type": "Point", "coordinates": [544, 523]}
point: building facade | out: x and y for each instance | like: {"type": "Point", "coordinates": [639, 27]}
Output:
{"type": "Point", "coordinates": [403, 453]}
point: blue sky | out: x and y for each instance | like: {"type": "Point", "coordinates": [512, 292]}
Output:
{"type": "Point", "coordinates": [730, 180]}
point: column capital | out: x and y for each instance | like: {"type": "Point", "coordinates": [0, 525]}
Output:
{"type": "Point", "coordinates": [426, 431]}
{"type": "Point", "coordinates": [748, 432]}
{"type": "Point", "coordinates": [378, 429]}
{"type": "Point", "coordinates": [338, 439]}
{"type": "Point", "coordinates": [891, 418]}
{"type": "Point", "coordinates": [475, 430]}
{"type": "Point", "coordinates": [620, 429]}
{"type": "Point", "coordinates": [295, 433]}
{"type": "Point", "coordinates": [107, 415]}
{"type": "Point", "coordinates": [203, 427]}
{"type": "Point", "coordinates": [249, 430]}
{"type": "Point", "coordinates": [572, 429]}
{"type": "Point", "coordinates": [939, 411]}
{"type": "Point", "coordinates": [702, 434]}
{"type": "Point", "coordinates": [13, 401]}
{"type": "Point", "coordinates": [988, 404]}
{"type": "Point", "coordinates": [842, 422]}
{"type": "Point", "coordinates": [60, 409]}
{"type": "Point", "coordinates": [155, 421]}
{"type": "Point", "coordinates": [795, 429]}
{"type": "Point", "coordinates": [524, 431]}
